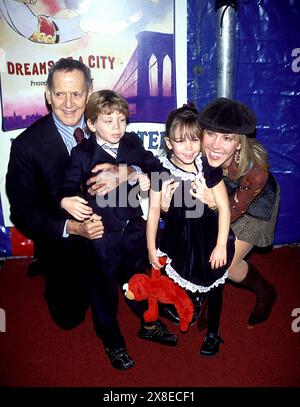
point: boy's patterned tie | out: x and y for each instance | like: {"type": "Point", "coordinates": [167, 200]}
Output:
{"type": "Point", "coordinates": [111, 150]}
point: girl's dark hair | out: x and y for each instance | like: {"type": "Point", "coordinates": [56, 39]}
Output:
{"type": "Point", "coordinates": [186, 117]}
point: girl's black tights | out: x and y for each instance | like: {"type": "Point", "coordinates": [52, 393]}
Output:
{"type": "Point", "coordinates": [214, 305]}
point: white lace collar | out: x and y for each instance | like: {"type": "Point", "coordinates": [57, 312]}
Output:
{"type": "Point", "coordinates": [178, 172]}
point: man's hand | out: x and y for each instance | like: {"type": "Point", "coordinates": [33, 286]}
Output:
{"type": "Point", "coordinates": [108, 177]}
{"type": "Point", "coordinates": [91, 229]}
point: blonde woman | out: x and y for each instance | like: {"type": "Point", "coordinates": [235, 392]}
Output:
{"type": "Point", "coordinates": [228, 141]}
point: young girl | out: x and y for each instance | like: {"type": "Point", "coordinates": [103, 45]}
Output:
{"type": "Point", "coordinates": [197, 240]}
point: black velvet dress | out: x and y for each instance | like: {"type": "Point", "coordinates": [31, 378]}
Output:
{"type": "Point", "coordinates": [190, 232]}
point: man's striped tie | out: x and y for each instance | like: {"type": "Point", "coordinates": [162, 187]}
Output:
{"type": "Point", "coordinates": [79, 135]}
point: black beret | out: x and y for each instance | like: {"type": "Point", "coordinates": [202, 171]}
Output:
{"type": "Point", "coordinates": [225, 115]}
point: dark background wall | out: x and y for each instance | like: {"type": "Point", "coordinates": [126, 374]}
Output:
{"type": "Point", "coordinates": [267, 78]}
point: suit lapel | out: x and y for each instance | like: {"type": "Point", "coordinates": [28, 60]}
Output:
{"type": "Point", "coordinates": [96, 154]}
{"type": "Point", "coordinates": [124, 150]}
{"type": "Point", "coordinates": [52, 140]}
{"type": "Point", "coordinates": [54, 154]}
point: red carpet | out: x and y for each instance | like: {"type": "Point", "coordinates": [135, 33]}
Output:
{"type": "Point", "coordinates": [35, 353]}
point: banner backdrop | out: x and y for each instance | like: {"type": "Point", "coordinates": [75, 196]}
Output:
{"type": "Point", "coordinates": [129, 47]}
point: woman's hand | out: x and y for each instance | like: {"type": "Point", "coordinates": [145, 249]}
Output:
{"type": "Point", "coordinates": [77, 207]}
{"type": "Point", "coordinates": [218, 257]}
{"type": "Point", "coordinates": [197, 189]}
{"type": "Point", "coordinates": [208, 198]}
{"type": "Point", "coordinates": [167, 191]}
{"type": "Point", "coordinates": [200, 191]}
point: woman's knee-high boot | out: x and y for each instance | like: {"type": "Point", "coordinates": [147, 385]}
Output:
{"type": "Point", "coordinates": [265, 295]}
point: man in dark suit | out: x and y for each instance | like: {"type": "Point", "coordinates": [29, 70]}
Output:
{"type": "Point", "coordinates": [122, 251]}
{"type": "Point", "coordinates": [37, 162]}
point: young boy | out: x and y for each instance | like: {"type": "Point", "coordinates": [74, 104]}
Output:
{"type": "Point", "coordinates": [122, 251]}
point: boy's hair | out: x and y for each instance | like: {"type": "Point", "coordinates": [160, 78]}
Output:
{"type": "Point", "coordinates": [67, 65]}
{"type": "Point", "coordinates": [106, 102]}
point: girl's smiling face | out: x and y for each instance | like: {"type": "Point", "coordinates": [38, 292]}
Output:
{"type": "Point", "coordinates": [185, 148]}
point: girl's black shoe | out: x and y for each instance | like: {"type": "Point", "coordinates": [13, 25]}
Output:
{"type": "Point", "coordinates": [210, 345]}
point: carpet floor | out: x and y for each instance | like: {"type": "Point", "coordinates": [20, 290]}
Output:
{"type": "Point", "coordinates": [34, 352]}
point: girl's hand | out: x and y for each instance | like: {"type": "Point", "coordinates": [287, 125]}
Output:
{"type": "Point", "coordinates": [153, 259]}
{"type": "Point", "coordinates": [167, 191]}
{"type": "Point", "coordinates": [144, 182]}
{"type": "Point", "coordinates": [77, 207]}
{"type": "Point", "coordinates": [218, 257]}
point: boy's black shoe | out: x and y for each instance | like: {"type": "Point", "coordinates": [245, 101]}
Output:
{"type": "Point", "coordinates": [158, 332]}
{"type": "Point", "coordinates": [210, 345]}
{"type": "Point", "coordinates": [169, 311]}
{"type": "Point", "coordinates": [120, 358]}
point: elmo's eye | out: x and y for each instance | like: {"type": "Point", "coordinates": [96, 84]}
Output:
{"type": "Point", "coordinates": [125, 288]}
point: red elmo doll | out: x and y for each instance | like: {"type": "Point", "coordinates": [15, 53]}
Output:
{"type": "Point", "coordinates": [158, 288]}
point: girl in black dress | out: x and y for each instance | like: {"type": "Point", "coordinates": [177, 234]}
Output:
{"type": "Point", "coordinates": [196, 239]}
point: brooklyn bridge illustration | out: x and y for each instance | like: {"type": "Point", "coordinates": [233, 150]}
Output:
{"type": "Point", "coordinates": [147, 82]}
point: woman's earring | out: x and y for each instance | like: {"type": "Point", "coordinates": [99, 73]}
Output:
{"type": "Point", "coordinates": [237, 155]}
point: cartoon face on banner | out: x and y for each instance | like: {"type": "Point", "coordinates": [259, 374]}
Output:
{"type": "Point", "coordinates": [129, 47]}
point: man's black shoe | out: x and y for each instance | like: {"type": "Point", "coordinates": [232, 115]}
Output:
{"type": "Point", "coordinates": [158, 332]}
{"type": "Point", "coordinates": [34, 269]}
{"type": "Point", "coordinates": [120, 358]}
{"type": "Point", "coordinates": [210, 345]}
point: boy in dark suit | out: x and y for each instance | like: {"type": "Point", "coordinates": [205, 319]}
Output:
{"type": "Point", "coordinates": [122, 251]}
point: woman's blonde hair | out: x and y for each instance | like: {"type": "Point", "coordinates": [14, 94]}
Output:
{"type": "Point", "coordinates": [252, 153]}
